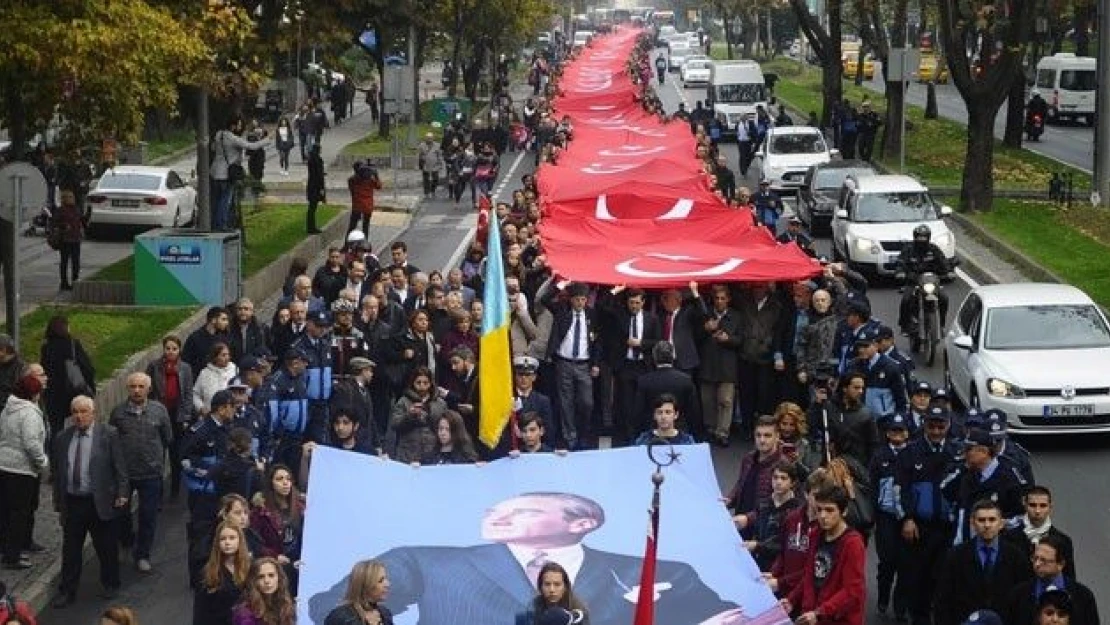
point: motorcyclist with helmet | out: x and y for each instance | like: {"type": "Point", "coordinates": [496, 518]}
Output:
{"type": "Point", "coordinates": [920, 257]}
{"type": "Point", "coordinates": [1036, 107]}
{"type": "Point", "coordinates": [661, 68]}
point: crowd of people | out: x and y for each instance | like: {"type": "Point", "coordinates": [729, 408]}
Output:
{"type": "Point", "coordinates": [375, 356]}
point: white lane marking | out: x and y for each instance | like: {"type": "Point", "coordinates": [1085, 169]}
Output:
{"type": "Point", "coordinates": [456, 256]}
{"type": "Point", "coordinates": [509, 176]}
{"type": "Point", "coordinates": [966, 277]}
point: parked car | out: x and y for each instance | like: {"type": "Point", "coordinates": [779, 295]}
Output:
{"type": "Point", "coordinates": [820, 191]}
{"type": "Point", "coordinates": [932, 69]}
{"type": "Point", "coordinates": [1038, 352]}
{"type": "Point", "coordinates": [788, 152]}
{"type": "Point", "coordinates": [875, 218]}
{"type": "Point", "coordinates": [137, 195]}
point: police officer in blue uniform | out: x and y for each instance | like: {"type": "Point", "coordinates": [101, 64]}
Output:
{"type": "Point", "coordinates": [315, 344]}
{"type": "Point", "coordinates": [888, 517]}
{"type": "Point", "coordinates": [287, 408]}
{"type": "Point", "coordinates": [204, 444]}
{"type": "Point", "coordinates": [250, 417]}
{"type": "Point", "coordinates": [886, 391]}
{"type": "Point", "coordinates": [1008, 449]}
{"type": "Point", "coordinates": [984, 476]}
{"type": "Point", "coordinates": [923, 468]}
{"type": "Point", "coordinates": [857, 321]}
{"type": "Point", "coordinates": [885, 337]}
{"type": "Point", "coordinates": [921, 397]}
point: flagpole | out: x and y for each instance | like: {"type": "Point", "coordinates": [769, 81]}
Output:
{"type": "Point", "coordinates": [645, 599]}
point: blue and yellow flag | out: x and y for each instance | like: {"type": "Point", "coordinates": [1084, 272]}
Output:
{"type": "Point", "coordinates": [495, 378]}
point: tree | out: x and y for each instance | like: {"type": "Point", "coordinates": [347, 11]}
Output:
{"type": "Point", "coordinates": [995, 37]}
{"type": "Point", "coordinates": [826, 47]}
{"type": "Point", "coordinates": [69, 58]}
{"type": "Point", "coordinates": [894, 86]}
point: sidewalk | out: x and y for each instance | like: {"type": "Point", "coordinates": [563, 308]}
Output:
{"type": "Point", "coordinates": [39, 264]}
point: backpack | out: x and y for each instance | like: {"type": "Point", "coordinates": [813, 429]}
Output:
{"type": "Point", "coordinates": [10, 607]}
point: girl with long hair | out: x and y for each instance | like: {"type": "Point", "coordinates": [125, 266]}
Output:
{"type": "Point", "coordinates": [278, 517]}
{"type": "Point", "coordinates": [554, 592]}
{"type": "Point", "coordinates": [214, 377]}
{"type": "Point", "coordinates": [267, 600]}
{"type": "Point", "coordinates": [415, 416]}
{"type": "Point", "coordinates": [453, 442]}
{"type": "Point", "coordinates": [224, 577]}
{"type": "Point", "coordinates": [236, 512]}
{"type": "Point", "coordinates": [367, 587]}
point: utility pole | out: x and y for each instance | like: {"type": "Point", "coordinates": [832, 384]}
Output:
{"type": "Point", "coordinates": [415, 84]}
{"type": "Point", "coordinates": [204, 192]}
{"type": "Point", "coordinates": [1102, 112]}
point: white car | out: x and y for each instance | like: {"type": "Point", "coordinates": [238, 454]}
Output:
{"type": "Point", "coordinates": [678, 53]}
{"type": "Point", "coordinates": [695, 71]}
{"type": "Point", "coordinates": [138, 195]}
{"type": "Point", "coordinates": [1038, 352]}
{"type": "Point", "coordinates": [875, 218]}
{"type": "Point", "coordinates": [787, 154]}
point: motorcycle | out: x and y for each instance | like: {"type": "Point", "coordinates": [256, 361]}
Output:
{"type": "Point", "coordinates": [1034, 127]}
{"type": "Point", "coordinates": [662, 74]}
{"type": "Point", "coordinates": [928, 332]}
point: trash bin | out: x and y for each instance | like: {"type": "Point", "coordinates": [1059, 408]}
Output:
{"type": "Point", "coordinates": [181, 267]}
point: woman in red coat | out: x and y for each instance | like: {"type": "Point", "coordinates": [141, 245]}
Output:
{"type": "Point", "coordinates": [833, 589]}
{"type": "Point", "coordinates": [362, 185]}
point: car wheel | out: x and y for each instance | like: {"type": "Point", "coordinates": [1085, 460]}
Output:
{"type": "Point", "coordinates": [176, 218]}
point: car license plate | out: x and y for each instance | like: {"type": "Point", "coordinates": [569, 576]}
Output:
{"type": "Point", "coordinates": [125, 203]}
{"type": "Point", "coordinates": [1070, 410]}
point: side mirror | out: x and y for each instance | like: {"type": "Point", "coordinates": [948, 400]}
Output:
{"type": "Point", "coordinates": [841, 214]}
{"type": "Point", "coordinates": [945, 210]}
{"type": "Point", "coordinates": [964, 342]}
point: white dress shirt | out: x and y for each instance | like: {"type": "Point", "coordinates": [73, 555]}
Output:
{"type": "Point", "coordinates": [635, 331]}
{"type": "Point", "coordinates": [570, 558]}
{"type": "Point", "coordinates": [566, 348]}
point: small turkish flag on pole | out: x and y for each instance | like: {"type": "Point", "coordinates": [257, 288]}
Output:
{"type": "Point", "coordinates": [645, 602]}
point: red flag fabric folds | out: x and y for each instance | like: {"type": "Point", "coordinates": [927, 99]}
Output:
{"type": "Point", "coordinates": [628, 202]}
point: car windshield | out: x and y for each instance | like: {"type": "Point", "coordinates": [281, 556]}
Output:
{"type": "Point", "coordinates": [891, 207]}
{"type": "Point", "coordinates": [1078, 326]}
{"type": "Point", "coordinates": [697, 64]}
{"type": "Point", "coordinates": [832, 178]}
{"type": "Point", "coordinates": [137, 182]}
{"type": "Point", "coordinates": [797, 144]}
{"type": "Point", "coordinates": [1078, 80]}
{"type": "Point", "coordinates": [744, 93]}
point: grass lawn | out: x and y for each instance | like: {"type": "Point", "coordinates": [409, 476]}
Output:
{"type": "Point", "coordinates": [109, 334]}
{"type": "Point", "coordinates": [173, 141]}
{"type": "Point", "coordinates": [1071, 242]}
{"type": "Point", "coordinates": [272, 230]}
{"type": "Point", "coordinates": [935, 148]}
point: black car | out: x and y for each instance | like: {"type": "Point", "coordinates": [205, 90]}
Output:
{"type": "Point", "coordinates": [819, 193]}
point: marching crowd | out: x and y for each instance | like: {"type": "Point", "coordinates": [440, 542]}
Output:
{"type": "Point", "coordinates": [373, 355]}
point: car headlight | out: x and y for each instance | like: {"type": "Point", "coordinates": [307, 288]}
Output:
{"type": "Point", "coordinates": [867, 246]}
{"type": "Point", "coordinates": [1001, 388]}
{"type": "Point", "coordinates": [943, 240]}
{"type": "Point", "coordinates": [929, 288]}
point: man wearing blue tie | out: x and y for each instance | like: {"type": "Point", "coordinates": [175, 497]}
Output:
{"type": "Point", "coordinates": [573, 349]}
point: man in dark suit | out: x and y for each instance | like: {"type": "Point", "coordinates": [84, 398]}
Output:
{"type": "Point", "coordinates": [1049, 568]}
{"type": "Point", "coordinates": [573, 347]}
{"type": "Point", "coordinates": [90, 493]}
{"type": "Point", "coordinates": [462, 388]}
{"type": "Point", "coordinates": [720, 365]}
{"type": "Point", "coordinates": [679, 320]}
{"type": "Point", "coordinates": [631, 332]}
{"type": "Point", "coordinates": [1037, 524]}
{"type": "Point", "coordinates": [979, 573]}
{"type": "Point", "coordinates": [489, 584]}
{"type": "Point", "coordinates": [666, 379]}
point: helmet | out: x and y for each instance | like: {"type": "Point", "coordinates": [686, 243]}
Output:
{"type": "Point", "coordinates": [922, 232]}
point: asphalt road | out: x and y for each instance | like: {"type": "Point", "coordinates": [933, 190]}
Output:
{"type": "Point", "coordinates": [1073, 468]}
{"type": "Point", "coordinates": [1073, 144]}
{"type": "Point", "coordinates": [437, 237]}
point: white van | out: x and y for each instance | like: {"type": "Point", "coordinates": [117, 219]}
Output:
{"type": "Point", "coordinates": [581, 38]}
{"type": "Point", "coordinates": [735, 89]}
{"type": "Point", "coordinates": [1067, 82]}
{"type": "Point", "coordinates": [680, 50]}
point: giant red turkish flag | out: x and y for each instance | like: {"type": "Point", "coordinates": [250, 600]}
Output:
{"type": "Point", "coordinates": [628, 202]}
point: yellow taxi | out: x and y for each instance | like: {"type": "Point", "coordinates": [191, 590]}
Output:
{"type": "Point", "coordinates": [851, 61]}
{"type": "Point", "coordinates": [931, 68]}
